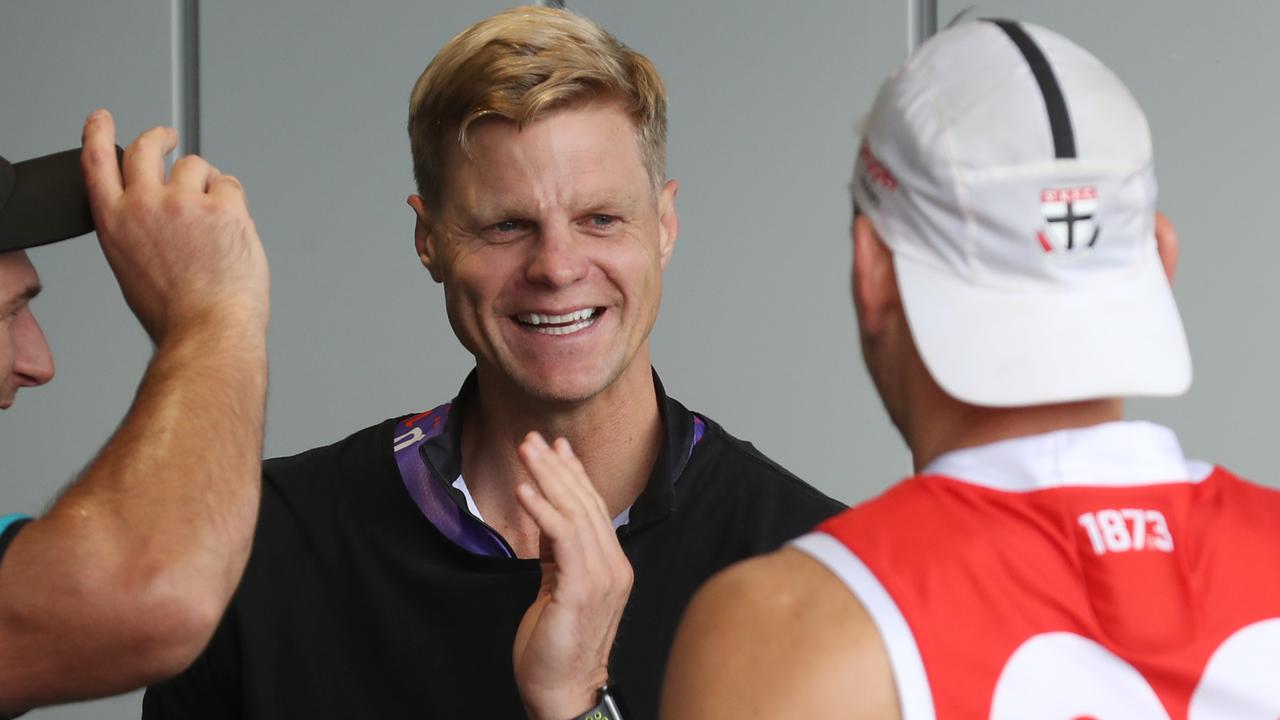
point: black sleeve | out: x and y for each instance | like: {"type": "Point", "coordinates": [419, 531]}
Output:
{"type": "Point", "coordinates": [209, 689]}
{"type": "Point", "coordinates": [10, 533]}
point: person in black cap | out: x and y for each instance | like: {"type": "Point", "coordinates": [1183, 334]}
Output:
{"type": "Point", "coordinates": [124, 579]}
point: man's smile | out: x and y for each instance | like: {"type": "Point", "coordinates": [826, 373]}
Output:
{"type": "Point", "coordinates": [562, 323]}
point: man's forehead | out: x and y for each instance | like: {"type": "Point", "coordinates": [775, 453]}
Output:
{"type": "Point", "coordinates": [596, 119]}
{"type": "Point", "coordinates": [578, 155]}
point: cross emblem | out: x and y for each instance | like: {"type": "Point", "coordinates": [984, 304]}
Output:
{"type": "Point", "coordinates": [1070, 217]}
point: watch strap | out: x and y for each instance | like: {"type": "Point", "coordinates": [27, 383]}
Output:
{"type": "Point", "coordinates": [605, 709]}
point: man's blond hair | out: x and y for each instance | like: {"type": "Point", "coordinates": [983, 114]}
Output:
{"type": "Point", "coordinates": [521, 64]}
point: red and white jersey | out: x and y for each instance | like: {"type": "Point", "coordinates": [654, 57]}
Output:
{"type": "Point", "coordinates": [1081, 574]}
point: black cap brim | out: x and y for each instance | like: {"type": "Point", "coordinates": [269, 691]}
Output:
{"type": "Point", "coordinates": [47, 201]}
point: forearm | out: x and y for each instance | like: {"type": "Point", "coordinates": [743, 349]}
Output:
{"type": "Point", "coordinates": [179, 482]}
{"type": "Point", "coordinates": [137, 561]}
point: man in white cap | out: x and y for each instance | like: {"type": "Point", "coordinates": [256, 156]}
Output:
{"type": "Point", "coordinates": [123, 580]}
{"type": "Point", "coordinates": [1048, 559]}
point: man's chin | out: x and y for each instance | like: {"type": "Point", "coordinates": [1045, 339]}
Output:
{"type": "Point", "coordinates": [563, 393]}
{"type": "Point", "coordinates": [565, 386]}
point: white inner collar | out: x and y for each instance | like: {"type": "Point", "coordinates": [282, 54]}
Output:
{"type": "Point", "coordinates": [1105, 455]}
{"type": "Point", "coordinates": [623, 517]}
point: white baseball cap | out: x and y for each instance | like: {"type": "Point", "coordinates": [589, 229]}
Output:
{"type": "Point", "coordinates": [1010, 174]}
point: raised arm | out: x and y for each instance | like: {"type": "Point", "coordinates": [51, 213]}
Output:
{"type": "Point", "coordinates": [123, 581]}
{"type": "Point", "coordinates": [777, 637]}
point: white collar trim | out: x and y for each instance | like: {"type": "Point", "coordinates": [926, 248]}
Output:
{"type": "Point", "coordinates": [1106, 455]}
{"type": "Point", "coordinates": [623, 518]}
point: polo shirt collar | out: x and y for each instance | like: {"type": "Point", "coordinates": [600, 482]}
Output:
{"type": "Point", "coordinates": [681, 430]}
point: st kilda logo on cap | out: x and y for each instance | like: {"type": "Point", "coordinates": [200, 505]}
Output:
{"type": "Point", "coordinates": [874, 176]}
{"type": "Point", "coordinates": [1069, 219]}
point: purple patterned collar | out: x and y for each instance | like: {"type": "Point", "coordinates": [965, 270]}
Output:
{"type": "Point", "coordinates": [428, 453]}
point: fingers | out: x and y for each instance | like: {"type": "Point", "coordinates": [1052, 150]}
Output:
{"type": "Point", "coordinates": [585, 490]}
{"type": "Point", "coordinates": [569, 519]}
{"type": "Point", "coordinates": [568, 510]}
{"type": "Point", "coordinates": [553, 476]}
{"type": "Point", "coordinates": [549, 520]}
{"type": "Point", "coordinates": [144, 158]}
{"type": "Point", "coordinates": [98, 160]}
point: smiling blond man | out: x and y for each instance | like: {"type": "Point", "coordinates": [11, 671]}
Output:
{"type": "Point", "coordinates": [396, 570]}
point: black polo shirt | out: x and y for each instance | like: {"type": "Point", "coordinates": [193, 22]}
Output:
{"type": "Point", "coordinates": [354, 605]}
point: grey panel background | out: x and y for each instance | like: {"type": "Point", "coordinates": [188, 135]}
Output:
{"type": "Point", "coordinates": [757, 328]}
{"type": "Point", "coordinates": [1204, 75]}
{"type": "Point", "coordinates": [306, 102]}
{"type": "Point", "coordinates": [308, 108]}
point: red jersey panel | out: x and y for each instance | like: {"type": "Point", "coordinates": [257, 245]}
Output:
{"type": "Point", "coordinates": [1158, 600]}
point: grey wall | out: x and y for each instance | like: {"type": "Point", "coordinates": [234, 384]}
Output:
{"type": "Point", "coordinates": [306, 102]}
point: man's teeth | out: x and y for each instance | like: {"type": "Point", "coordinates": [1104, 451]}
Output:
{"type": "Point", "coordinates": [540, 319]}
{"type": "Point", "coordinates": [559, 324]}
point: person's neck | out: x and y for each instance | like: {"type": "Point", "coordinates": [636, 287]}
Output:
{"type": "Point", "coordinates": [617, 434]}
{"type": "Point", "coordinates": [937, 423]}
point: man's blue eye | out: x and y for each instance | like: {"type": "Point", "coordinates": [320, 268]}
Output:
{"type": "Point", "coordinates": [602, 220]}
{"type": "Point", "coordinates": [507, 226]}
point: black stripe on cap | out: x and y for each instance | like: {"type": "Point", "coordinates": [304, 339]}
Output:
{"type": "Point", "coordinates": [1064, 138]}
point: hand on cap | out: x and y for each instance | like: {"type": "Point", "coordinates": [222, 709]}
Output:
{"type": "Point", "coordinates": [184, 250]}
{"type": "Point", "coordinates": [562, 646]}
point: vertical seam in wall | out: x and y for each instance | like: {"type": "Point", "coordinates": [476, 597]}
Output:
{"type": "Point", "coordinates": [185, 76]}
{"type": "Point", "coordinates": [922, 22]}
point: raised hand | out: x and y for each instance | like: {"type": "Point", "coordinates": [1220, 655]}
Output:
{"type": "Point", "coordinates": [184, 250]}
{"type": "Point", "coordinates": [562, 646]}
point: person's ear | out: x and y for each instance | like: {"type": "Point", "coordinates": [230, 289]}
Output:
{"type": "Point", "coordinates": [1167, 245]}
{"type": "Point", "coordinates": [668, 221]}
{"type": "Point", "coordinates": [424, 240]}
{"type": "Point", "coordinates": [875, 286]}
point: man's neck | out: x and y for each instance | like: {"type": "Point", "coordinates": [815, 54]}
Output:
{"type": "Point", "coordinates": [937, 423]}
{"type": "Point", "coordinates": [617, 434]}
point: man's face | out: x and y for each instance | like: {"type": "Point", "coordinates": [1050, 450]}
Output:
{"type": "Point", "coordinates": [25, 360]}
{"type": "Point", "coordinates": [551, 242]}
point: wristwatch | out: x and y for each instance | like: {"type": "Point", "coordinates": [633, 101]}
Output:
{"type": "Point", "coordinates": [606, 708]}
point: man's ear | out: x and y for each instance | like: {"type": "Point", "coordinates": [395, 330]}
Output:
{"type": "Point", "coordinates": [1167, 245]}
{"type": "Point", "coordinates": [668, 221]}
{"type": "Point", "coordinates": [875, 286]}
{"type": "Point", "coordinates": [423, 239]}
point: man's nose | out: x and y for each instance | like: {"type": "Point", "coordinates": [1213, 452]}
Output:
{"type": "Point", "coordinates": [33, 362]}
{"type": "Point", "coordinates": [558, 258]}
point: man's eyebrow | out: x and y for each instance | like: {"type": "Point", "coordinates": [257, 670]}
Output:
{"type": "Point", "coordinates": [621, 201]}
{"type": "Point", "coordinates": [22, 299]}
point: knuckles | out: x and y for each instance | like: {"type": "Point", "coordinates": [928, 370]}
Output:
{"type": "Point", "coordinates": [190, 163]}
{"type": "Point", "coordinates": [145, 141]}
